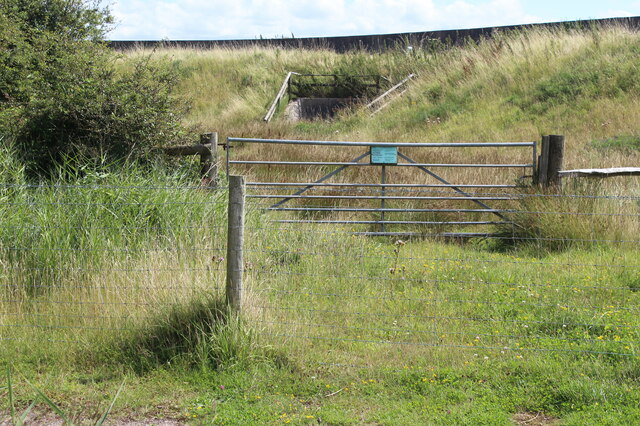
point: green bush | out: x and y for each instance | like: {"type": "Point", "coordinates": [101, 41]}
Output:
{"type": "Point", "coordinates": [61, 92]}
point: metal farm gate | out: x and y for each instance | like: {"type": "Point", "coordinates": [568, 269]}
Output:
{"type": "Point", "coordinates": [413, 193]}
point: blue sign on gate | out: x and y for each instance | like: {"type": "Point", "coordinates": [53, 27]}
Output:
{"type": "Point", "coordinates": [384, 155]}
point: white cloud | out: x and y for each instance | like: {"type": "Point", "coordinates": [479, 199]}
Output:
{"type": "Point", "coordinates": [217, 19]}
{"type": "Point", "coordinates": [619, 14]}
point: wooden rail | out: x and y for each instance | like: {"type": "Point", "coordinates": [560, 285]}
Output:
{"type": "Point", "coordinates": [602, 173]}
{"type": "Point", "coordinates": [279, 96]}
{"type": "Point", "coordinates": [207, 149]}
{"type": "Point", "coordinates": [388, 93]}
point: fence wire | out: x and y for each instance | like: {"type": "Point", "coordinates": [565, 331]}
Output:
{"type": "Point", "coordinates": [86, 262]}
{"type": "Point", "coordinates": [561, 277]}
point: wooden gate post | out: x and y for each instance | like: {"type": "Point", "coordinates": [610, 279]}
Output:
{"type": "Point", "coordinates": [235, 242]}
{"type": "Point", "coordinates": [209, 160]}
{"type": "Point", "coordinates": [556, 160]}
{"type": "Point", "coordinates": [543, 162]}
{"type": "Point", "coordinates": [551, 161]}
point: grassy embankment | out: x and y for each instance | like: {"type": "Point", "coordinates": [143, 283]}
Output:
{"type": "Point", "coordinates": [580, 84]}
{"type": "Point", "coordinates": [133, 255]}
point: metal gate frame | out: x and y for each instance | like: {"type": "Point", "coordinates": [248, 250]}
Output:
{"type": "Point", "coordinates": [383, 185]}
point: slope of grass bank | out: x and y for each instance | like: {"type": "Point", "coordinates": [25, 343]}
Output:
{"type": "Point", "coordinates": [515, 87]}
{"type": "Point", "coordinates": [583, 84]}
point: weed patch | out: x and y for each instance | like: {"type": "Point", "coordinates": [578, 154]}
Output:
{"type": "Point", "coordinates": [627, 143]}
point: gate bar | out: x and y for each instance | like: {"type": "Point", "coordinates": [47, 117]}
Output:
{"type": "Point", "coordinates": [388, 222]}
{"type": "Point", "coordinates": [383, 180]}
{"type": "Point", "coordinates": [458, 190]}
{"type": "Point", "coordinates": [418, 234]}
{"type": "Point", "coordinates": [322, 179]}
{"type": "Point", "coordinates": [349, 163]}
{"type": "Point", "coordinates": [388, 144]}
{"type": "Point", "coordinates": [388, 210]}
{"type": "Point", "coordinates": [376, 185]}
{"type": "Point", "coordinates": [381, 197]}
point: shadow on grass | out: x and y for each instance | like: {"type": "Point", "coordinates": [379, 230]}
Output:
{"type": "Point", "coordinates": [199, 334]}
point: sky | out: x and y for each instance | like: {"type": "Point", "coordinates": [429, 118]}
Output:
{"type": "Point", "coordinates": [250, 19]}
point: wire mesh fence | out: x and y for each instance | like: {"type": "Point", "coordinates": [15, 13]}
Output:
{"type": "Point", "coordinates": [560, 277]}
{"type": "Point", "coordinates": [79, 263]}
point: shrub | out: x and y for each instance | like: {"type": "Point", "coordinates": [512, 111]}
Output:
{"type": "Point", "coordinates": [61, 92]}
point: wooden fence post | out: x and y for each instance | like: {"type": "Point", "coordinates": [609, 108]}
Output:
{"type": "Point", "coordinates": [556, 160]}
{"type": "Point", "coordinates": [235, 242]}
{"type": "Point", "coordinates": [551, 161]}
{"type": "Point", "coordinates": [209, 160]}
{"type": "Point", "coordinates": [543, 162]}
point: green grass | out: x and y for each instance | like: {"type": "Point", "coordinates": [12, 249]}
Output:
{"type": "Point", "coordinates": [624, 143]}
{"type": "Point", "coordinates": [330, 334]}
{"type": "Point", "coordinates": [480, 392]}
{"type": "Point", "coordinates": [116, 272]}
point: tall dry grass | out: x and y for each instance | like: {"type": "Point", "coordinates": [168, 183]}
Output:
{"type": "Point", "coordinates": [514, 87]}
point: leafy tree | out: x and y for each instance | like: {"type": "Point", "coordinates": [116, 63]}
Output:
{"type": "Point", "coordinates": [62, 94]}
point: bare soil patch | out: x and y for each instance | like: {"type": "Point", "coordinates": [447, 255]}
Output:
{"type": "Point", "coordinates": [534, 419]}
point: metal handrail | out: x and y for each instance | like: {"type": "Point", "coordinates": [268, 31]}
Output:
{"type": "Point", "coordinates": [276, 101]}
